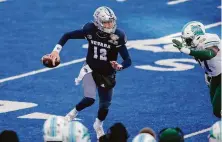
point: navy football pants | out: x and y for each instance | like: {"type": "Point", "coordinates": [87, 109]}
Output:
{"type": "Point", "coordinates": [105, 96]}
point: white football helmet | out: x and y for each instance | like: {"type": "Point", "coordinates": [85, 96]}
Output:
{"type": "Point", "coordinates": [193, 33]}
{"type": "Point", "coordinates": [76, 132]}
{"type": "Point", "coordinates": [105, 14]}
{"type": "Point", "coordinates": [53, 128]}
{"type": "Point", "coordinates": [144, 137]}
{"type": "Point", "coordinates": [216, 132]}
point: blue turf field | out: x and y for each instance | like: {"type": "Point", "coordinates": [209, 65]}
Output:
{"type": "Point", "coordinates": [30, 28]}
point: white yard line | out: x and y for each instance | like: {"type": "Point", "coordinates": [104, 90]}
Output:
{"type": "Point", "coordinates": [173, 2]}
{"type": "Point", "coordinates": [213, 25]}
{"type": "Point", "coordinates": [120, 0]}
{"type": "Point", "coordinates": [197, 133]}
{"type": "Point", "coordinates": [39, 115]}
{"type": "Point", "coordinates": [8, 106]}
{"type": "Point", "coordinates": [2, 0]}
{"type": "Point", "coordinates": [41, 70]}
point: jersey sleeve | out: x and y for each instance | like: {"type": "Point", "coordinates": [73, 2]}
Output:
{"type": "Point", "coordinates": [125, 56]}
{"type": "Point", "coordinates": [204, 54]}
{"type": "Point", "coordinates": [87, 29]}
{"type": "Point", "coordinates": [122, 38]}
{"type": "Point", "coordinates": [76, 34]}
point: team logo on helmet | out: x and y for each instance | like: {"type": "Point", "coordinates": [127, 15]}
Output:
{"type": "Point", "coordinates": [197, 30]}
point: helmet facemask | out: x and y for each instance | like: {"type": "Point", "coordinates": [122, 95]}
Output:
{"type": "Point", "coordinates": [105, 20]}
{"type": "Point", "coordinates": [188, 41]}
{"type": "Point", "coordinates": [108, 26]}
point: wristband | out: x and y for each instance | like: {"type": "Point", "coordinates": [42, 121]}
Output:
{"type": "Point", "coordinates": [57, 48]}
{"type": "Point", "coordinates": [185, 50]}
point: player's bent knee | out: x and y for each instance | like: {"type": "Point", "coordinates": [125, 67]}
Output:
{"type": "Point", "coordinates": [85, 102]}
{"type": "Point", "coordinates": [89, 101]}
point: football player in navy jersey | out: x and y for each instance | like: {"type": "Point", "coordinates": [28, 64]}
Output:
{"type": "Point", "coordinates": [105, 41]}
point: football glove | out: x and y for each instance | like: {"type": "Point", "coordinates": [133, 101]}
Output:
{"type": "Point", "coordinates": [177, 44]}
{"type": "Point", "coordinates": [180, 46]}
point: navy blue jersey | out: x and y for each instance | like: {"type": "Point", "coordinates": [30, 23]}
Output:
{"type": "Point", "coordinates": [102, 48]}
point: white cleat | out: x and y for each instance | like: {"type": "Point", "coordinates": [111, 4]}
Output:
{"type": "Point", "coordinates": [98, 126]}
{"type": "Point", "coordinates": [71, 115]}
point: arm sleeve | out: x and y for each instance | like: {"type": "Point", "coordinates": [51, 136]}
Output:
{"type": "Point", "coordinates": [205, 54]}
{"type": "Point", "coordinates": [125, 55]}
{"type": "Point", "coordinates": [77, 34]}
{"type": "Point", "coordinates": [122, 39]}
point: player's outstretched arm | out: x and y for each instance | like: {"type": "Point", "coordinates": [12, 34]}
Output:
{"type": "Point", "coordinates": [77, 34]}
{"type": "Point", "coordinates": [203, 54]}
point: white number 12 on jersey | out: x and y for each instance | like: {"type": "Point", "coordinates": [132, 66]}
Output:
{"type": "Point", "coordinates": [102, 52]}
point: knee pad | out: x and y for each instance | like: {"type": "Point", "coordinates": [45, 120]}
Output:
{"type": "Point", "coordinates": [103, 110]}
{"type": "Point", "coordinates": [104, 105]}
{"type": "Point", "coordinates": [85, 102]}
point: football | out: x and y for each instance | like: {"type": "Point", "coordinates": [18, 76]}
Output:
{"type": "Point", "coordinates": [47, 61]}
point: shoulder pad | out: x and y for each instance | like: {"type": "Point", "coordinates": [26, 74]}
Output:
{"type": "Point", "coordinates": [212, 40]}
{"type": "Point", "coordinates": [122, 37]}
{"type": "Point", "coordinates": [88, 27]}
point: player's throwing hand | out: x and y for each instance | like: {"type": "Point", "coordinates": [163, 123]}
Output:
{"type": "Point", "coordinates": [55, 57]}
